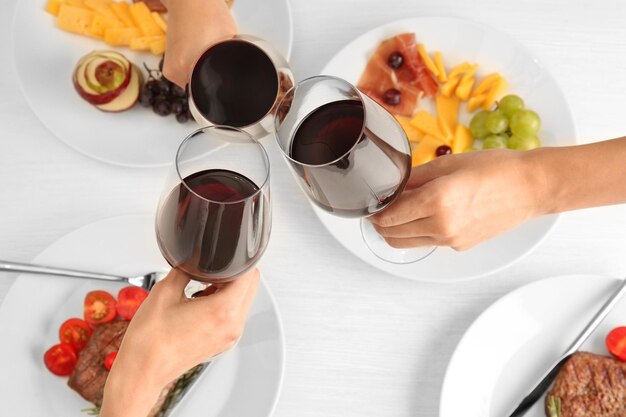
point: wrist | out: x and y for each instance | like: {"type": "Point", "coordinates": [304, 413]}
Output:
{"type": "Point", "coordinates": [540, 183]}
{"type": "Point", "coordinates": [129, 393]}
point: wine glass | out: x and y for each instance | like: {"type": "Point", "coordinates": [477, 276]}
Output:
{"type": "Point", "coordinates": [214, 217]}
{"type": "Point", "coordinates": [347, 153]}
{"type": "Point", "coordinates": [239, 82]}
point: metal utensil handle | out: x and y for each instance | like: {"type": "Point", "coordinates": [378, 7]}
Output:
{"type": "Point", "coordinates": [597, 319]}
{"type": "Point", "coordinates": [72, 273]}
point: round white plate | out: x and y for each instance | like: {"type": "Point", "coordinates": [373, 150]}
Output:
{"type": "Point", "coordinates": [45, 57]}
{"type": "Point", "coordinates": [461, 40]}
{"type": "Point", "coordinates": [508, 349]}
{"type": "Point", "coordinates": [245, 381]}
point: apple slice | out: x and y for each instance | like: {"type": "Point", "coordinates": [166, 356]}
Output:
{"type": "Point", "coordinates": [89, 87]}
{"type": "Point", "coordinates": [128, 98]}
{"type": "Point", "coordinates": [105, 75]}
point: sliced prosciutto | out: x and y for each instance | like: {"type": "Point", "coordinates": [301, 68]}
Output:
{"type": "Point", "coordinates": [410, 77]}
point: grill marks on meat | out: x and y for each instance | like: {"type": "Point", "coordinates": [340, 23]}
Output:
{"type": "Point", "coordinates": [590, 385]}
{"type": "Point", "coordinates": [90, 374]}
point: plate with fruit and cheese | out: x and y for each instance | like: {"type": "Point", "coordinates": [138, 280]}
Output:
{"type": "Point", "coordinates": [90, 70]}
{"type": "Point", "coordinates": [455, 86]}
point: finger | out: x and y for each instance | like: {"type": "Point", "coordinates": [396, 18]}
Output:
{"type": "Point", "coordinates": [416, 242]}
{"type": "Point", "coordinates": [426, 227]}
{"type": "Point", "coordinates": [232, 294]}
{"type": "Point", "coordinates": [411, 205]}
{"type": "Point", "coordinates": [255, 278]}
{"type": "Point", "coordinates": [173, 284]}
{"type": "Point", "coordinates": [172, 74]}
{"type": "Point", "coordinates": [174, 77]}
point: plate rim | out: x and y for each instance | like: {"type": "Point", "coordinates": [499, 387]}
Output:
{"type": "Point", "coordinates": [554, 218]}
{"type": "Point", "coordinates": [496, 305]}
{"type": "Point", "coordinates": [263, 283]}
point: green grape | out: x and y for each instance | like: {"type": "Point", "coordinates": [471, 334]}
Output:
{"type": "Point", "coordinates": [524, 144]}
{"type": "Point", "coordinates": [496, 122]}
{"type": "Point", "coordinates": [495, 142]}
{"type": "Point", "coordinates": [525, 123]}
{"type": "Point", "coordinates": [511, 104]}
{"type": "Point", "coordinates": [477, 125]}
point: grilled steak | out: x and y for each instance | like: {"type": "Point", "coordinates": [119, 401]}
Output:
{"type": "Point", "coordinates": [589, 385]}
{"type": "Point", "coordinates": [90, 374]}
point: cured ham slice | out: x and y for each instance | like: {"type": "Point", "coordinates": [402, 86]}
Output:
{"type": "Point", "coordinates": [412, 79]}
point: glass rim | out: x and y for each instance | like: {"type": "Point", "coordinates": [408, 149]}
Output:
{"type": "Point", "coordinates": [317, 78]}
{"type": "Point", "coordinates": [195, 134]}
{"type": "Point", "coordinates": [249, 39]}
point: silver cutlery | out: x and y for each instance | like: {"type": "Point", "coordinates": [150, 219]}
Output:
{"type": "Point", "coordinates": [146, 281]}
{"type": "Point", "coordinates": [543, 385]}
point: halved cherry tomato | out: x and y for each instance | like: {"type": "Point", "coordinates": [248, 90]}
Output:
{"type": "Point", "coordinates": [128, 301]}
{"type": "Point", "coordinates": [99, 307]}
{"type": "Point", "coordinates": [109, 359]}
{"type": "Point", "coordinates": [616, 343]}
{"type": "Point", "coordinates": [60, 359]}
{"type": "Point", "coordinates": [75, 332]}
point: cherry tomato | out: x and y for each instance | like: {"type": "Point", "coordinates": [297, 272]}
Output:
{"type": "Point", "coordinates": [99, 307]}
{"type": "Point", "coordinates": [128, 301]}
{"type": "Point", "coordinates": [616, 343]}
{"type": "Point", "coordinates": [75, 332]}
{"type": "Point", "coordinates": [109, 359]}
{"type": "Point", "coordinates": [60, 359]}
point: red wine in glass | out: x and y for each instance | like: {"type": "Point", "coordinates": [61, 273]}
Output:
{"type": "Point", "coordinates": [238, 82]}
{"type": "Point", "coordinates": [348, 169]}
{"type": "Point", "coordinates": [192, 243]}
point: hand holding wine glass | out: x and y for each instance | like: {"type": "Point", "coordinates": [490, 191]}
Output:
{"type": "Point", "coordinates": [171, 334]}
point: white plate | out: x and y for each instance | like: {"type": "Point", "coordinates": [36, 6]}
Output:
{"type": "Point", "coordinates": [516, 340]}
{"type": "Point", "coordinates": [243, 382]}
{"type": "Point", "coordinates": [45, 57]}
{"type": "Point", "coordinates": [461, 40]}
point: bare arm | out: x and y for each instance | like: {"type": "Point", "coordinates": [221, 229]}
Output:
{"type": "Point", "coordinates": [584, 176]}
{"type": "Point", "coordinates": [462, 200]}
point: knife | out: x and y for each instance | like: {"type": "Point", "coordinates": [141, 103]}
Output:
{"type": "Point", "coordinates": [545, 382]}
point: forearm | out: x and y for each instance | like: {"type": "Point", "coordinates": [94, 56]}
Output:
{"type": "Point", "coordinates": [582, 176]}
{"type": "Point", "coordinates": [174, 5]}
{"type": "Point", "coordinates": [206, 13]}
{"type": "Point", "coordinates": [128, 393]}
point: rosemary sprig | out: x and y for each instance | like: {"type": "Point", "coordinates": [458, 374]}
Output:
{"type": "Point", "coordinates": [94, 411]}
{"type": "Point", "coordinates": [554, 406]}
{"type": "Point", "coordinates": [179, 388]}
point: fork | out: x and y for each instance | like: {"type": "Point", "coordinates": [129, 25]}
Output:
{"type": "Point", "coordinates": [146, 281]}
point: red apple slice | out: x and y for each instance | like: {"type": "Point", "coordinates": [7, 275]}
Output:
{"type": "Point", "coordinates": [128, 98]}
{"type": "Point", "coordinates": [89, 90]}
{"type": "Point", "coordinates": [115, 56]}
{"type": "Point", "coordinates": [105, 75]}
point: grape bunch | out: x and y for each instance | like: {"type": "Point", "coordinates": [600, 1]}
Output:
{"type": "Point", "coordinates": [164, 96]}
{"type": "Point", "coordinates": [510, 125]}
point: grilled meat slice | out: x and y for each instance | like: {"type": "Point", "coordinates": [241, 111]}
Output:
{"type": "Point", "coordinates": [589, 385]}
{"type": "Point", "coordinates": [90, 374]}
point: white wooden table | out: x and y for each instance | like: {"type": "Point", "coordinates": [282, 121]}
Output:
{"type": "Point", "coordinates": [359, 342]}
